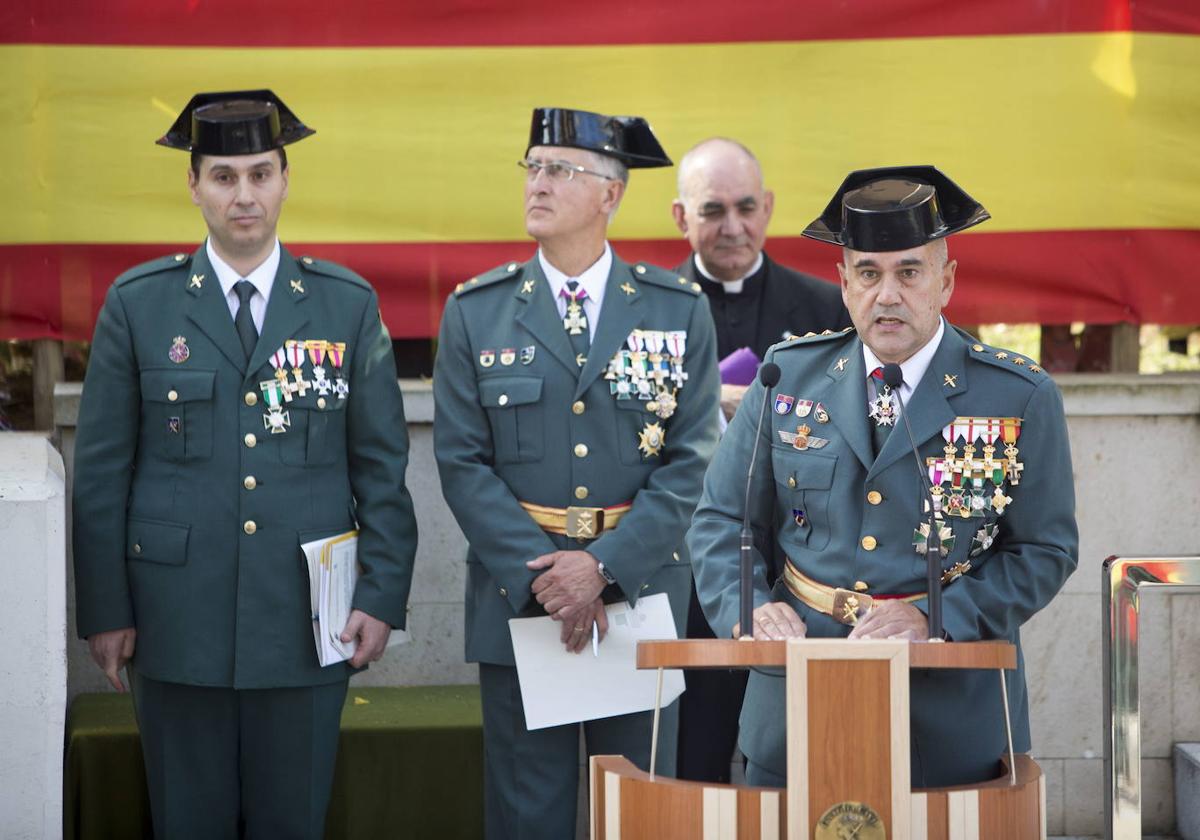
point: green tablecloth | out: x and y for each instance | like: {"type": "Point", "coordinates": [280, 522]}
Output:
{"type": "Point", "coordinates": [410, 765]}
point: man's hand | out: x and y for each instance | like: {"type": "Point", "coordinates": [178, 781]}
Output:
{"type": "Point", "coordinates": [892, 620]}
{"type": "Point", "coordinates": [570, 583]}
{"type": "Point", "coordinates": [731, 398]}
{"type": "Point", "coordinates": [577, 626]}
{"type": "Point", "coordinates": [775, 620]}
{"type": "Point", "coordinates": [111, 650]}
{"type": "Point", "coordinates": [372, 635]}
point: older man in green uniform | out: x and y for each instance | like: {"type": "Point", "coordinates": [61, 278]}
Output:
{"type": "Point", "coordinates": [577, 401]}
{"type": "Point", "coordinates": [840, 480]}
{"type": "Point", "coordinates": [238, 403]}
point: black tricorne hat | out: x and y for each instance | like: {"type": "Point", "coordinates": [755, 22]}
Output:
{"type": "Point", "coordinates": [239, 122]}
{"type": "Point", "coordinates": [894, 208]}
{"type": "Point", "coordinates": [628, 139]}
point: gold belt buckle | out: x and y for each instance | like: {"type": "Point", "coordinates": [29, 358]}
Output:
{"type": "Point", "coordinates": [584, 523]}
{"type": "Point", "coordinates": [849, 606]}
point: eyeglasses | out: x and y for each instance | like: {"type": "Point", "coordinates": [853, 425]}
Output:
{"type": "Point", "coordinates": [557, 170]}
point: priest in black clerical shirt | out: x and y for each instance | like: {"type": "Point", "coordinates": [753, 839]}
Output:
{"type": "Point", "coordinates": [723, 210]}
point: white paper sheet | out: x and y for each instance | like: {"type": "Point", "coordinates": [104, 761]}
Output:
{"type": "Point", "coordinates": [558, 687]}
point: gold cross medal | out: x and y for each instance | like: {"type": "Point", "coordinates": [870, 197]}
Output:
{"type": "Point", "coordinates": [651, 440]}
{"type": "Point", "coordinates": [275, 420]}
{"type": "Point", "coordinates": [278, 360]}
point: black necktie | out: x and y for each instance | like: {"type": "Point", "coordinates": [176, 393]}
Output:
{"type": "Point", "coordinates": [244, 321]}
{"type": "Point", "coordinates": [879, 431]}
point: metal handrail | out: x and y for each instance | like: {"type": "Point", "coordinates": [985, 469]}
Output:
{"type": "Point", "coordinates": [1123, 580]}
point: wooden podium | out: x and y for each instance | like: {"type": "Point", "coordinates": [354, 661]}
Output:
{"type": "Point", "coordinates": [839, 787]}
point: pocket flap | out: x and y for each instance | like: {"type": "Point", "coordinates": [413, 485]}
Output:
{"type": "Point", "coordinates": [507, 391]}
{"type": "Point", "coordinates": [156, 541]}
{"type": "Point", "coordinates": [177, 386]}
{"type": "Point", "coordinates": [805, 471]}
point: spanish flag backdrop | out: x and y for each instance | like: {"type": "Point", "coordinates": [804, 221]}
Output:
{"type": "Point", "coordinates": [1075, 122]}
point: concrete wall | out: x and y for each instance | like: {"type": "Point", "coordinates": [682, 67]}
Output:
{"type": "Point", "coordinates": [1136, 447]}
{"type": "Point", "coordinates": [33, 662]}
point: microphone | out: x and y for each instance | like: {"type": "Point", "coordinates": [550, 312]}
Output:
{"type": "Point", "coordinates": [768, 375]}
{"type": "Point", "coordinates": [893, 377]}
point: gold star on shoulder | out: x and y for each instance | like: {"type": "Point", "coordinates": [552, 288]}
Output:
{"type": "Point", "coordinates": [950, 380]}
{"type": "Point", "coordinates": [627, 289]}
{"type": "Point", "coordinates": [1001, 355]}
{"type": "Point", "coordinates": [297, 287]}
{"type": "Point", "coordinates": [841, 364]}
{"type": "Point", "coordinates": [1018, 361]}
{"type": "Point", "coordinates": [527, 287]}
{"type": "Point", "coordinates": [1034, 369]}
{"type": "Point", "coordinates": [196, 282]}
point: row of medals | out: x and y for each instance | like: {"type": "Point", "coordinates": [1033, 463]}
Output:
{"type": "Point", "coordinates": [292, 356]}
{"type": "Point", "coordinates": [650, 368]}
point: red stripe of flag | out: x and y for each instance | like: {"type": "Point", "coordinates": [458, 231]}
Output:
{"type": "Point", "coordinates": [1052, 277]}
{"type": "Point", "coordinates": [315, 23]}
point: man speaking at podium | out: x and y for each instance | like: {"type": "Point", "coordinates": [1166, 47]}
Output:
{"type": "Point", "coordinates": [837, 477]}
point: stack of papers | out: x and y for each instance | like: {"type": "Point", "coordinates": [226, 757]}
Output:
{"type": "Point", "coordinates": [333, 572]}
{"type": "Point", "coordinates": [558, 687]}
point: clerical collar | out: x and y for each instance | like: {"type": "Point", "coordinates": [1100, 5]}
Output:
{"type": "Point", "coordinates": [732, 287]}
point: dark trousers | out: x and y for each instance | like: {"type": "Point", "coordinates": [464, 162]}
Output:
{"type": "Point", "coordinates": [531, 777]}
{"type": "Point", "coordinates": [708, 713]}
{"type": "Point", "coordinates": [225, 763]}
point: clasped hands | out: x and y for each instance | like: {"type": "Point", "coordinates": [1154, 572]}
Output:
{"type": "Point", "coordinates": [569, 590]}
{"type": "Point", "coordinates": [888, 620]}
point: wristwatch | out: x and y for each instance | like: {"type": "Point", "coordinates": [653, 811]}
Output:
{"type": "Point", "coordinates": [605, 573]}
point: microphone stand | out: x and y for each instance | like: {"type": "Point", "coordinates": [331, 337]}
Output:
{"type": "Point", "coordinates": [768, 375]}
{"type": "Point", "coordinates": [933, 542]}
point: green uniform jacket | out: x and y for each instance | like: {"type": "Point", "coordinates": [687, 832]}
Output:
{"type": "Point", "coordinates": [173, 463]}
{"type": "Point", "coordinates": [506, 430]}
{"type": "Point", "coordinates": [820, 495]}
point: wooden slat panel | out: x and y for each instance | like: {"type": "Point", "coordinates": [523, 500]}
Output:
{"type": "Point", "coordinates": [732, 653]}
{"type": "Point", "coordinates": [937, 816]}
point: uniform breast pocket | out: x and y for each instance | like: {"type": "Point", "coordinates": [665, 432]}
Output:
{"type": "Point", "coordinates": [514, 409]}
{"type": "Point", "coordinates": [804, 481]}
{"type": "Point", "coordinates": [178, 408]}
{"type": "Point", "coordinates": [317, 435]}
{"type": "Point", "coordinates": [632, 420]}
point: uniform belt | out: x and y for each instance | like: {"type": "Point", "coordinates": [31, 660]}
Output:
{"type": "Point", "coordinates": [581, 523]}
{"type": "Point", "coordinates": [844, 605]}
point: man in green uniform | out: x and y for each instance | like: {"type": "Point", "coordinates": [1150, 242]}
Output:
{"type": "Point", "coordinates": [839, 480]}
{"type": "Point", "coordinates": [238, 403]}
{"type": "Point", "coordinates": [577, 401]}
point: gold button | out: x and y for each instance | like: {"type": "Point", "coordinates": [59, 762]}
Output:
{"type": "Point", "coordinates": [503, 592]}
{"type": "Point", "coordinates": [874, 497]}
{"type": "Point", "coordinates": [869, 542]}
{"type": "Point", "coordinates": [577, 407]}
{"type": "Point", "coordinates": [320, 402]}
{"type": "Point", "coordinates": [249, 527]}
{"type": "Point", "coordinates": [306, 260]}
{"type": "Point", "coordinates": [641, 269]}
{"type": "Point", "coordinates": [137, 548]}
{"type": "Point", "coordinates": [675, 554]}
{"type": "Point", "coordinates": [581, 492]}
{"type": "Point", "coordinates": [645, 586]}
{"type": "Point", "coordinates": [860, 586]}
{"type": "Point", "coordinates": [251, 440]}
{"type": "Point", "coordinates": [249, 482]}
{"type": "Point", "coordinates": [581, 450]}
{"type": "Point", "coordinates": [251, 398]}
{"type": "Point", "coordinates": [172, 395]}
{"type": "Point", "coordinates": [180, 257]}
{"type": "Point", "coordinates": [792, 481]}
{"type": "Point", "coordinates": [503, 399]}
{"type": "Point", "coordinates": [512, 266]}
{"type": "Point", "coordinates": [978, 348]}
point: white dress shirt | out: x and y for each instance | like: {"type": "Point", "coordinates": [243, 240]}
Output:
{"type": "Point", "coordinates": [913, 368]}
{"type": "Point", "coordinates": [593, 280]}
{"type": "Point", "coordinates": [261, 278]}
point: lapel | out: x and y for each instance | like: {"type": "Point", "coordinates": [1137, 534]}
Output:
{"type": "Point", "coordinates": [620, 313]}
{"type": "Point", "coordinates": [539, 316]}
{"type": "Point", "coordinates": [929, 410]}
{"type": "Point", "coordinates": [286, 313]}
{"type": "Point", "coordinates": [846, 400]}
{"type": "Point", "coordinates": [208, 310]}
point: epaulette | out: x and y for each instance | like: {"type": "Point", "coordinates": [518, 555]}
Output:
{"type": "Point", "coordinates": [500, 272]}
{"type": "Point", "coordinates": [667, 280]}
{"type": "Point", "coordinates": [167, 263]}
{"type": "Point", "coordinates": [811, 338]}
{"type": "Point", "coordinates": [332, 269]}
{"type": "Point", "coordinates": [1008, 360]}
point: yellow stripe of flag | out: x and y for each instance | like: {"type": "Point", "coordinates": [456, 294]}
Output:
{"type": "Point", "coordinates": [419, 144]}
